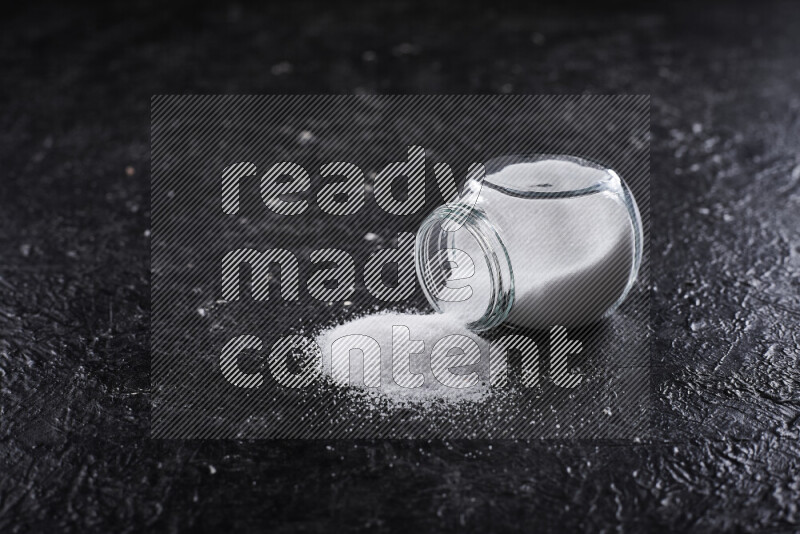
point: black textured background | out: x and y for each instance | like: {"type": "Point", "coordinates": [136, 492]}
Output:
{"type": "Point", "coordinates": [74, 294]}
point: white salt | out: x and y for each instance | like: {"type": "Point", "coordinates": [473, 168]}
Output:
{"type": "Point", "coordinates": [572, 257]}
{"type": "Point", "coordinates": [425, 329]}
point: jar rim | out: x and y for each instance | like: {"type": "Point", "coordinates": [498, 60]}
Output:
{"type": "Point", "coordinates": [605, 179]}
{"type": "Point", "coordinates": [501, 275]}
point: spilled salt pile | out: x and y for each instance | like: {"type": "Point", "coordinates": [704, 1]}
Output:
{"type": "Point", "coordinates": [410, 358]}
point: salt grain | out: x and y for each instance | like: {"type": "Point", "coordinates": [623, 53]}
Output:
{"type": "Point", "coordinates": [305, 137]}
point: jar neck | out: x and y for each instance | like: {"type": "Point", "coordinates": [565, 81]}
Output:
{"type": "Point", "coordinates": [435, 238]}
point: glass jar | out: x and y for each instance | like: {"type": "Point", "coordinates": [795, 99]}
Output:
{"type": "Point", "coordinates": [542, 241]}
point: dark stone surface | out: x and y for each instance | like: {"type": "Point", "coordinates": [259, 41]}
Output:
{"type": "Point", "coordinates": [74, 297]}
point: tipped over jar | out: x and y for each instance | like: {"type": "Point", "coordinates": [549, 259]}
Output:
{"type": "Point", "coordinates": [540, 241]}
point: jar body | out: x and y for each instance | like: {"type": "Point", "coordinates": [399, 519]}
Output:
{"type": "Point", "coordinates": [543, 241]}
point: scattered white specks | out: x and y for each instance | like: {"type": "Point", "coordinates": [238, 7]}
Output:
{"type": "Point", "coordinates": [697, 128]}
{"type": "Point", "coordinates": [147, 233]}
{"type": "Point", "coordinates": [72, 254]}
{"type": "Point", "coordinates": [703, 211]}
{"type": "Point", "coordinates": [371, 237]}
{"type": "Point", "coordinates": [25, 249]}
{"type": "Point", "coordinates": [607, 411]}
{"type": "Point", "coordinates": [727, 217]}
{"type": "Point", "coordinates": [202, 312]}
{"type": "Point", "coordinates": [212, 469]}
